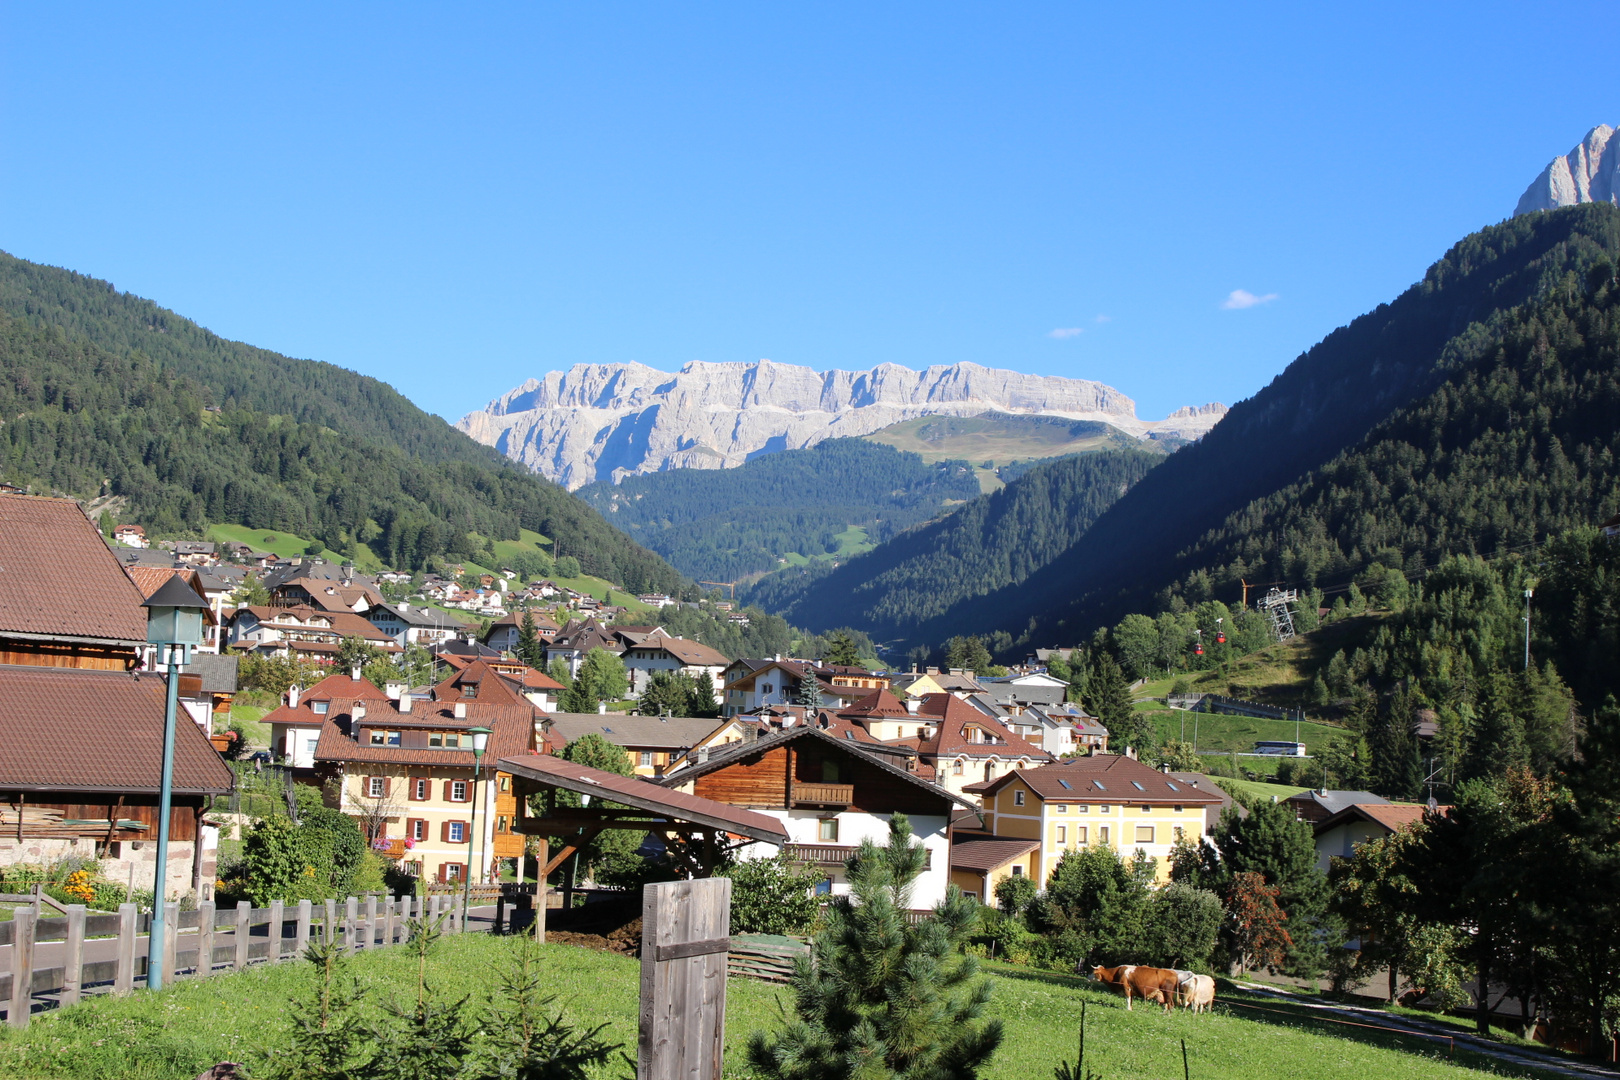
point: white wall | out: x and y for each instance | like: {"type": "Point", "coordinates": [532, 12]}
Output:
{"type": "Point", "coordinates": [803, 827]}
{"type": "Point", "coordinates": [1341, 840]}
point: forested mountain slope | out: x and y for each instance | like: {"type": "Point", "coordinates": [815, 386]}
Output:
{"type": "Point", "coordinates": [919, 584]}
{"type": "Point", "coordinates": [105, 393]}
{"type": "Point", "coordinates": [724, 524]}
{"type": "Point", "coordinates": [1445, 476]}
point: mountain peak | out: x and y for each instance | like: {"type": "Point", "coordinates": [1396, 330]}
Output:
{"type": "Point", "coordinates": [604, 421]}
{"type": "Point", "coordinates": [1588, 173]}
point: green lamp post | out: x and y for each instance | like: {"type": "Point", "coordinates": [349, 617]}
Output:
{"type": "Point", "coordinates": [174, 623]}
{"type": "Point", "coordinates": [480, 739]}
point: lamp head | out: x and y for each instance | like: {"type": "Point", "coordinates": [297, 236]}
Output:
{"type": "Point", "coordinates": [175, 614]}
{"type": "Point", "coordinates": [480, 739]}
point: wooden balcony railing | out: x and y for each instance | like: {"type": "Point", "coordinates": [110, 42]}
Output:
{"type": "Point", "coordinates": [823, 794]}
{"type": "Point", "coordinates": [833, 854]}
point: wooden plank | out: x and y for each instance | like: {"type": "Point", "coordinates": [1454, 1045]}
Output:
{"type": "Point", "coordinates": [171, 941]}
{"type": "Point", "coordinates": [22, 968]}
{"type": "Point", "coordinates": [682, 1009]}
{"type": "Point", "coordinates": [301, 934]}
{"type": "Point", "coordinates": [124, 980]}
{"type": "Point", "coordinates": [205, 939]}
{"type": "Point", "coordinates": [388, 920]}
{"type": "Point", "coordinates": [329, 927]}
{"type": "Point", "coordinates": [243, 934]}
{"type": "Point", "coordinates": [351, 928]}
{"type": "Point", "coordinates": [278, 923]}
{"type": "Point", "coordinates": [370, 939]}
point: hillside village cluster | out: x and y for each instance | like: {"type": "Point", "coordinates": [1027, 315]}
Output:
{"type": "Point", "coordinates": [998, 776]}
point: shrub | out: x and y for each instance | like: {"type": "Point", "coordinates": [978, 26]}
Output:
{"type": "Point", "coordinates": [773, 896]}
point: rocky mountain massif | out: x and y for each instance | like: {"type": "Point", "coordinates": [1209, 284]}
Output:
{"type": "Point", "coordinates": [1588, 173]}
{"type": "Point", "coordinates": [601, 422]}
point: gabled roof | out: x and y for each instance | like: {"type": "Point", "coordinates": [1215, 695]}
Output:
{"type": "Point", "coordinates": [982, 853]}
{"type": "Point", "coordinates": [39, 537]}
{"type": "Point", "coordinates": [878, 705]}
{"type": "Point", "coordinates": [75, 730]}
{"type": "Point", "coordinates": [949, 717]}
{"type": "Point", "coordinates": [1393, 817]}
{"type": "Point", "coordinates": [658, 732]}
{"type": "Point", "coordinates": [479, 682]}
{"type": "Point", "coordinates": [1102, 778]}
{"type": "Point", "coordinates": [218, 673]}
{"type": "Point", "coordinates": [737, 751]}
{"type": "Point", "coordinates": [645, 795]}
{"type": "Point", "coordinates": [1335, 801]}
{"type": "Point", "coordinates": [689, 653]}
{"type": "Point", "coordinates": [511, 732]}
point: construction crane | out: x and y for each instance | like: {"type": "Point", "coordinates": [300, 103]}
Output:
{"type": "Point", "coordinates": [732, 585]}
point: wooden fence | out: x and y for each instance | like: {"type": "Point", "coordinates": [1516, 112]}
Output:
{"type": "Point", "coordinates": [106, 953]}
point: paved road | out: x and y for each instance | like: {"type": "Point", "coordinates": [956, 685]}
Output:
{"type": "Point", "coordinates": [1545, 1061]}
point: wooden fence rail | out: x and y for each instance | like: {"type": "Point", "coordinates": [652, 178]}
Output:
{"type": "Point", "coordinates": [59, 960]}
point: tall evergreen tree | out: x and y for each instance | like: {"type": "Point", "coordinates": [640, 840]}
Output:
{"type": "Point", "coordinates": [1109, 700]}
{"type": "Point", "coordinates": [809, 694]}
{"type": "Point", "coordinates": [885, 999]}
{"type": "Point", "coordinates": [529, 649]}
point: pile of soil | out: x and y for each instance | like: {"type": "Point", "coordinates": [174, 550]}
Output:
{"type": "Point", "coordinates": [608, 926]}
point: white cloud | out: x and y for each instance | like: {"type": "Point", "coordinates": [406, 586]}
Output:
{"type": "Point", "coordinates": [1103, 319]}
{"type": "Point", "coordinates": [1065, 332]}
{"type": "Point", "coordinates": [1238, 299]}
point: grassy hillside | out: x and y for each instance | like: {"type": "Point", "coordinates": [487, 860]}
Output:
{"type": "Point", "coordinates": [108, 394]}
{"type": "Point", "coordinates": [184, 1029]}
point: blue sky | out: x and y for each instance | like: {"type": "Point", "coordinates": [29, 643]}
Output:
{"type": "Point", "coordinates": [455, 201]}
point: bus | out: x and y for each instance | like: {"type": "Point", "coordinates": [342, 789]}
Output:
{"type": "Point", "coordinates": [1274, 748]}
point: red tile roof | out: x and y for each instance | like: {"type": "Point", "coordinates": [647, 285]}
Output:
{"type": "Point", "coordinates": [511, 732]}
{"type": "Point", "coordinates": [1394, 817]}
{"type": "Point", "coordinates": [41, 540]}
{"type": "Point", "coordinates": [69, 729]}
{"type": "Point", "coordinates": [1103, 778]}
{"type": "Point", "coordinates": [878, 704]}
{"type": "Point", "coordinates": [949, 717]}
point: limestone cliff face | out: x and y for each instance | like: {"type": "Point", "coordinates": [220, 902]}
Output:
{"type": "Point", "coordinates": [603, 421]}
{"type": "Point", "coordinates": [1588, 173]}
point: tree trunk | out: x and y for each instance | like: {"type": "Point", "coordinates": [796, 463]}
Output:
{"type": "Point", "coordinates": [1482, 1012]}
{"type": "Point", "coordinates": [1394, 980]}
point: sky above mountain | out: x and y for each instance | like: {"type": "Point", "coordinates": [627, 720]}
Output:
{"type": "Point", "coordinates": [1173, 200]}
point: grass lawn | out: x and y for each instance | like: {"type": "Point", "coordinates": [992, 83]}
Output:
{"type": "Point", "coordinates": [182, 1030]}
{"type": "Point", "coordinates": [282, 544]}
{"type": "Point", "coordinates": [1219, 734]}
{"type": "Point", "coordinates": [1256, 789]}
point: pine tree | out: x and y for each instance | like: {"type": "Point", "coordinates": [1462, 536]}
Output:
{"type": "Point", "coordinates": [529, 650]}
{"type": "Point", "coordinates": [1109, 700]}
{"type": "Point", "coordinates": [809, 694]}
{"type": "Point", "coordinates": [841, 648]}
{"type": "Point", "coordinates": [885, 999]}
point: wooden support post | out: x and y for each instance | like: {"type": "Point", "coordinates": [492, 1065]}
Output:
{"type": "Point", "coordinates": [171, 940]}
{"type": "Point", "coordinates": [124, 973]}
{"type": "Point", "coordinates": [278, 919]}
{"type": "Point", "coordinates": [301, 935]}
{"type": "Point", "coordinates": [243, 933]}
{"type": "Point", "coordinates": [205, 940]}
{"type": "Point", "coordinates": [541, 858]}
{"type": "Point", "coordinates": [685, 928]}
{"type": "Point", "coordinates": [73, 956]}
{"type": "Point", "coordinates": [351, 919]}
{"type": "Point", "coordinates": [371, 921]}
{"type": "Point", "coordinates": [22, 967]}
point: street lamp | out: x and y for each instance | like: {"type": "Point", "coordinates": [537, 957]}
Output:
{"type": "Point", "coordinates": [174, 622]}
{"type": "Point", "coordinates": [480, 739]}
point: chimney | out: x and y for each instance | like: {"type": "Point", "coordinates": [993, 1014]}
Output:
{"type": "Point", "coordinates": [1130, 752]}
{"type": "Point", "coordinates": [292, 697]}
{"type": "Point", "coordinates": [354, 672]}
{"type": "Point", "coordinates": [933, 671]}
{"type": "Point", "coordinates": [461, 710]}
{"type": "Point", "coordinates": [1165, 768]}
{"type": "Point", "coordinates": [403, 605]}
{"type": "Point", "coordinates": [601, 708]}
{"type": "Point", "coordinates": [702, 755]}
{"type": "Point", "coordinates": [393, 690]}
{"type": "Point", "coordinates": [359, 711]}
{"type": "Point", "coordinates": [913, 705]}
{"type": "Point", "coordinates": [405, 701]}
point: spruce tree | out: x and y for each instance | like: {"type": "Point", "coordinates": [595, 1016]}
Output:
{"type": "Point", "coordinates": [529, 650]}
{"type": "Point", "coordinates": [1109, 700]}
{"type": "Point", "coordinates": [884, 999]}
{"type": "Point", "coordinates": [809, 694]}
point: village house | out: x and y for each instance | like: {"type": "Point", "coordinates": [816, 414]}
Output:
{"type": "Point", "coordinates": [413, 624]}
{"type": "Point", "coordinates": [1320, 804]}
{"type": "Point", "coordinates": [81, 726]}
{"type": "Point", "coordinates": [1107, 799]}
{"type": "Point", "coordinates": [959, 743]}
{"type": "Point", "coordinates": [652, 744]}
{"type": "Point", "coordinates": [959, 681]}
{"type": "Point", "coordinates": [130, 536]}
{"type": "Point", "coordinates": [502, 634]}
{"type": "Point", "coordinates": [830, 795]}
{"type": "Point", "coordinates": [1338, 835]}
{"type": "Point", "coordinates": [575, 641]}
{"type": "Point", "coordinates": [302, 631]}
{"type": "Point", "coordinates": [1023, 691]}
{"type": "Point", "coordinates": [750, 685]}
{"type": "Point", "coordinates": [540, 689]}
{"type": "Point", "coordinates": [659, 651]}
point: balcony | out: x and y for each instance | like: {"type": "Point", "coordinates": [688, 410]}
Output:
{"type": "Point", "coordinates": [823, 794]}
{"type": "Point", "coordinates": [833, 854]}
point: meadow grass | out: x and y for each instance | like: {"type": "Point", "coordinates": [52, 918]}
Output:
{"type": "Point", "coordinates": [281, 544]}
{"type": "Point", "coordinates": [180, 1031]}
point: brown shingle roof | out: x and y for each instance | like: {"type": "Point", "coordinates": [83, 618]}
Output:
{"type": "Point", "coordinates": [38, 538]}
{"type": "Point", "coordinates": [68, 729]}
{"type": "Point", "coordinates": [879, 704]}
{"type": "Point", "coordinates": [511, 733]}
{"type": "Point", "coordinates": [949, 717]}
{"type": "Point", "coordinates": [981, 852]}
{"type": "Point", "coordinates": [1103, 778]}
{"type": "Point", "coordinates": [1395, 817]}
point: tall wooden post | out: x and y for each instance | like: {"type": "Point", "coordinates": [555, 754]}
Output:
{"type": "Point", "coordinates": [205, 940]}
{"type": "Point", "coordinates": [278, 916]}
{"type": "Point", "coordinates": [22, 967]}
{"type": "Point", "coordinates": [124, 973]}
{"type": "Point", "coordinates": [685, 935]}
{"type": "Point", "coordinates": [73, 956]}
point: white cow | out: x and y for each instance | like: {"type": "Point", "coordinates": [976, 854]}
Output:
{"type": "Point", "coordinates": [1197, 992]}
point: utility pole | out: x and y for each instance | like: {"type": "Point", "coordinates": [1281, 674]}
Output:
{"type": "Point", "coordinates": [1528, 592]}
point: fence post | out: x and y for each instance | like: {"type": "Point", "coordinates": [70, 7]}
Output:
{"type": "Point", "coordinates": [351, 916]}
{"type": "Point", "coordinates": [73, 956]}
{"type": "Point", "coordinates": [388, 920]}
{"type": "Point", "coordinates": [244, 933]}
{"type": "Point", "coordinates": [171, 940]}
{"type": "Point", "coordinates": [330, 907]}
{"type": "Point", "coordinates": [301, 938]}
{"type": "Point", "coordinates": [371, 921]}
{"type": "Point", "coordinates": [124, 974]}
{"type": "Point", "coordinates": [278, 917]}
{"type": "Point", "coordinates": [22, 967]}
{"type": "Point", "coordinates": [205, 939]}
{"type": "Point", "coordinates": [500, 910]}
{"type": "Point", "coordinates": [685, 937]}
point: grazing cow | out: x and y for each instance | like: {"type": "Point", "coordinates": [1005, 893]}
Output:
{"type": "Point", "coordinates": [1197, 991]}
{"type": "Point", "coordinates": [1147, 983]}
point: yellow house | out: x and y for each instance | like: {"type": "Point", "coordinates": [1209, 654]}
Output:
{"type": "Point", "coordinates": [1102, 799]}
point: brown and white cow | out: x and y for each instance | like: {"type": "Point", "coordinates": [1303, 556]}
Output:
{"type": "Point", "coordinates": [1147, 983]}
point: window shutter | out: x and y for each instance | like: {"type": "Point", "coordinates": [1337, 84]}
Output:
{"type": "Point", "coordinates": [444, 872]}
{"type": "Point", "coordinates": [388, 783]}
{"type": "Point", "coordinates": [447, 790]}
{"type": "Point", "coordinates": [444, 832]}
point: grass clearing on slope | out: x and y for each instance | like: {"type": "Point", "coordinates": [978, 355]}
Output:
{"type": "Point", "coordinates": [283, 545]}
{"type": "Point", "coordinates": [182, 1030]}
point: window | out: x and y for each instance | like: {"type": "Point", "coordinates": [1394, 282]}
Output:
{"type": "Point", "coordinates": [1017, 870]}
{"type": "Point", "coordinates": [458, 791]}
{"type": "Point", "coordinates": [1082, 809]}
{"type": "Point", "coordinates": [646, 757]}
{"type": "Point", "coordinates": [457, 833]}
{"type": "Point", "coordinates": [1177, 809]}
{"type": "Point", "coordinates": [376, 786]}
{"type": "Point", "coordinates": [1063, 834]}
{"type": "Point", "coordinates": [506, 783]}
{"type": "Point", "coordinates": [1018, 798]}
{"type": "Point", "coordinates": [1103, 809]}
{"type": "Point", "coordinates": [1176, 832]}
{"type": "Point", "coordinates": [1062, 808]}
{"type": "Point", "coordinates": [1102, 834]}
{"type": "Point", "coordinates": [1146, 809]}
{"type": "Point", "coordinates": [418, 829]}
{"type": "Point", "coordinates": [501, 825]}
{"type": "Point", "coordinates": [827, 830]}
{"type": "Point", "coordinates": [320, 707]}
{"type": "Point", "coordinates": [1137, 785]}
{"type": "Point", "coordinates": [419, 789]}
{"type": "Point", "coordinates": [446, 739]}
{"type": "Point", "coordinates": [452, 871]}
{"type": "Point", "coordinates": [310, 744]}
{"type": "Point", "coordinates": [1144, 834]}
{"type": "Point", "coordinates": [956, 766]}
{"type": "Point", "coordinates": [1080, 834]}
